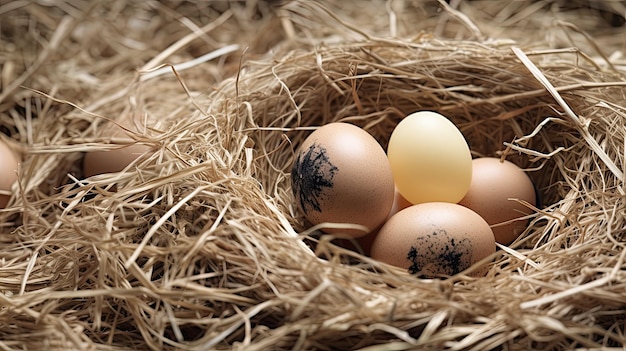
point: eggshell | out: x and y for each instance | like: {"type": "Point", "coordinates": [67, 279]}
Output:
{"type": "Point", "coordinates": [8, 172]}
{"type": "Point", "coordinates": [114, 160]}
{"type": "Point", "coordinates": [341, 174]}
{"type": "Point", "coordinates": [434, 239]}
{"type": "Point", "coordinates": [430, 159]}
{"type": "Point", "coordinates": [493, 192]}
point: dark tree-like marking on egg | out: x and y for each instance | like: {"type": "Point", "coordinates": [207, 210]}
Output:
{"type": "Point", "coordinates": [414, 258]}
{"type": "Point", "coordinates": [311, 173]}
{"type": "Point", "coordinates": [451, 258]}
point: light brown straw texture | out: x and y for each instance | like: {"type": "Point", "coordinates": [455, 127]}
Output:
{"type": "Point", "coordinates": [199, 246]}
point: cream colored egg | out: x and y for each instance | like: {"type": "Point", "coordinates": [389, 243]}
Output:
{"type": "Point", "coordinates": [434, 239]}
{"type": "Point", "coordinates": [430, 159]}
{"type": "Point", "coordinates": [495, 193]}
{"type": "Point", "coordinates": [341, 175]}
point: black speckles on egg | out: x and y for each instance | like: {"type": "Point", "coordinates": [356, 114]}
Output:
{"type": "Point", "coordinates": [435, 240]}
{"type": "Point", "coordinates": [311, 174]}
{"type": "Point", "coordinates": [438, 254]}
{"type": "Point", "coordinates": [413, 256]}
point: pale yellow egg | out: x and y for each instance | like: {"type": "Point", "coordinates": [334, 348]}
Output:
{"type": "Point", "coordinates": [430, 159]}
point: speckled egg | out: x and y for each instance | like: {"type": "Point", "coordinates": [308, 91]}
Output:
{"type": "Point", "coordinates": [341, 175]}
{"type": "Point", "coordinates": [434, 239]}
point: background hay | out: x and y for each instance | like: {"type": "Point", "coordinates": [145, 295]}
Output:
{"type": "Point", "coordinates": [198, 246]}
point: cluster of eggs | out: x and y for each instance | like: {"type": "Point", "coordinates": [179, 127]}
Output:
{"type": "Point", "coordinates": [423, 205]}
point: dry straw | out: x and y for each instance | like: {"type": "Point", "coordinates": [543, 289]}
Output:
{"type": "Point", "coordinates": [199, 246]}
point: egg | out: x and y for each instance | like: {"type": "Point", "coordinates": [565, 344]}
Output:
{"type": "Point", "coordinates": [493, 193]}
{"type": "Point", "coordinates": [116, 159]}
{"type": "Point", "coordinates": [430, 159]}
{"type": "Point", "coordinates": [8, 173]}
{"type": "Point", "coordinates": [341, 174]}
{"type": "Point", "coordinates": [434, 239]}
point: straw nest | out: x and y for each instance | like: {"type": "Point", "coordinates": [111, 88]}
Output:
{"type": "Point", "coordinates": [198, 245]}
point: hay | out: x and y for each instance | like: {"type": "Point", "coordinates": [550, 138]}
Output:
{"type": "Point", "coordinates": [199, 246]}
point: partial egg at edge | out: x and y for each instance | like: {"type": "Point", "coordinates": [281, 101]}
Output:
{"type": "Point", "coordinates": [9, 164]}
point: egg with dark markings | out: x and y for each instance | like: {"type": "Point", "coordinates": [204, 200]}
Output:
{"type": "Point", "coordinates": [434, 239]}
{"type": "Point", "coordinates": [341, 175]}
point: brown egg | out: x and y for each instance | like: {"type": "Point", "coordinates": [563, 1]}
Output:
{"type": "Point", "coordinates": [494, 188]}
{"type": "Point", "coordinates": [434, 239]}
{"type": "Point", "coordinates": [8, 172]}
{"type": "Point", "coordinates": [110, 161]}
{"type": "Point", "coordinates": [341, 174]}
{"type": "Point", "coordinates": [116, 159]}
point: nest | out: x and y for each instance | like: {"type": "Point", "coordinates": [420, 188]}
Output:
{"type": "Point", "coordinates": [199, 245]}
